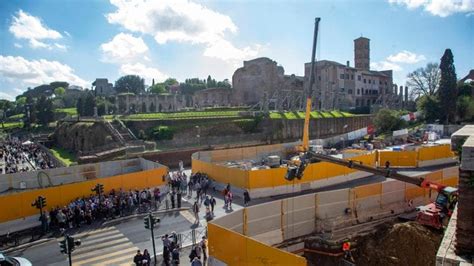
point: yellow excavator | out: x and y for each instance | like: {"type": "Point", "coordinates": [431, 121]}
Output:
{"type": "Point", "coordinates": [305, 145]}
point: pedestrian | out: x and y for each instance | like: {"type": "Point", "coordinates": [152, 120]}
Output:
{"type": "Point", "coordinates": [138, 259]}
{"type": "Point", "coordinates": [204, 249]}
{"type": "Point", "coordinates": [192, 255]}
{"type": "Point", "coordinates": [175, 256]}
{"type": "Point", "coordinates": [246, 197]}
{"type": "Point", "coordinates": [146, 259]}
{"type": "Point", "coordinates": [196, 262]}
{"type": "Point", "coordinates": [196, 212]}
{"type": "Point", "coordinates": [213, 203]}
{"type": "Point", "coordinates": [229, 199]}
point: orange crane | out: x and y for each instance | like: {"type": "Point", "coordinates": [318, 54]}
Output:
{"type": "Point", "coordinates": [305, 146]}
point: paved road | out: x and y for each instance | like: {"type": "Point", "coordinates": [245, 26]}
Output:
{"type": "Point", "coordinates": [117, 244]}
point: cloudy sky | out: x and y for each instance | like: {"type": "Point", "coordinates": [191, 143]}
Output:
{"type": "Point", "coordinates": [78, 41]}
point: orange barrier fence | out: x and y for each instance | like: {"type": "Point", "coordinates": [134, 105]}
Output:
{"type": "Point", "coordinates": [18, 205]}
{"type": "Point", "coordinates": [233, 248]}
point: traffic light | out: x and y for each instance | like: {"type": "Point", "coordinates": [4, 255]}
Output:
{"type": "Point", "coordinates": [150, 221]}
{"type": "Point", "coordinates": [39, 203]}
{"type": "Point", "coordinates": [72, 243]}
{"type": "Point", "coordinates": [42, 201]}
{"type": "Point", "coordinates": [99, 189]}
{"type": "Point", "coordinates": [63, 246]}
{"type": "Point", "coordinates": [147, 222]}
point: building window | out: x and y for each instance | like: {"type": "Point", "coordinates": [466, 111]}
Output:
{"type": "Point", "coordinates": [373, 101]}
{"type": "Point", "coordinates": [365, 81]}
{"type": "Point", "coordinates": [369, 81]}
{"type": "Point", "coordinates": [342, 89]}
{"type": "Point", "coordinates": [380, 82]}
{"type": "Point", "coordinates": [352, 76]}
{"type": "Point", "coordinates": [347, 76]}
{"type": "Point", "coordinates": [358, 78]}
{"type": "Point", "coordinates": [385, 83]}
{"type": "Point", "coordinates": [366, 92]}
{"type": "Point", "coordinates": [349, 91]}
{"type": "Point", "coordinates": [341, 76]}
{"type": "Point", "coordinates": [358, 91]}
{"type": "Point", "coordinates": [319, 78]}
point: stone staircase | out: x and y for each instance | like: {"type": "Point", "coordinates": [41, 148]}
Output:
{"type": "Point", "coordinates": [125, 133]}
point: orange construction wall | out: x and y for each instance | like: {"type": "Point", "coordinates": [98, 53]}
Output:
{"type": "Point", "coordinates": [18, 205]}
{"type": "Point", "coordinates": [233, 248]}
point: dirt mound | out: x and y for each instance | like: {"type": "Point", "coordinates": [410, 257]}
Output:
{"type": "Point", "coordinates": [401, 244]}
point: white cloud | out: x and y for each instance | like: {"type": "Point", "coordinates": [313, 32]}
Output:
{"type": "Point", "coordinates": [22, 72]}
{"type": "Point", "coordinates": [7, 96]}
{"type": "Point", "coordinates": [406, 57]}
{"type": "Point", "coordinates": [181, 21]}
{"type": "Point", "coordinates": [124, 47]}
{"type": "Point", "coordinates": [67, 33]}
{"type": "Point", "coordinates": [31, 28]}
{"type": "Point", "coordinates": [442, 8]}
{"type": "Point", "coordinates": [146, 72]}
{"type": "Point", "coordinates": [17, 45]}
{"type": "Point", "coordinates": [385, 65]}
{"type": "Point", "coordinates": [60, 46]}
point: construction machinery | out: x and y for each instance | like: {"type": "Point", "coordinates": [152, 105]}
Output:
{"type": "Point", "coordinates": [305, 145]}
{"type": "Point", "coordinates": [435, 214]}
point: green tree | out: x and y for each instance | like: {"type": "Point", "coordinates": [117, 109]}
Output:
{"type": "Point", "coordinates": [387, 120]}
{"type": "Point", "coordinates": [30, 111]}
{"type": "Point", "coordinates": [44, 109]}
{"type": "Point", "coordinates": [430, 107]}
{"type": "Point", "coordinates": [170, 82]}
{"type": "Point", "coordinates": [21, 101]}
{"type": "Point", "coordinates": [57, 84]}
{"type": "Point", "coordinates": [59, 91]}
{"type": "Point", "coordinates": [465, 108]}
{"type": "Point", "coordinates": [447, 87]}
{"type": "Point", "coordinates": [89, 104]}
{"type": "Point", "coordinates": [424, 81]}
{"type": "Point", "coordinates": [158, 88]}
{"type": "Point", "coordinates": [130, 83]}
{"type": "Point", "coordinates": [80, 106]}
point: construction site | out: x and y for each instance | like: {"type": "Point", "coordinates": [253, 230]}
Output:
{"type": "Point", "coordinates": [397, 206]}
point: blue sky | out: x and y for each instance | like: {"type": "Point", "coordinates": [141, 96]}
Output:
{"type": "Point", "coordinates": [78, 41]}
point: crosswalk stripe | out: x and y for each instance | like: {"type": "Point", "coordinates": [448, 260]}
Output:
{"type": "Point", "coordinates": [121, 253]}
{"type": "Point", "coordinates": [188, 216]}
{"type": "Point", "coordinates": [95, 231]}
{"type": "Point", "coordinates": [96, 252]}
{"type": "Point", "coordinates": [102, 245]}
{"type": "Point", "coordinates": [87, 242]}
{"type": "Point", "coordinates": [119, 260]}
{"type": "Point", "coordinates": [101, 234]}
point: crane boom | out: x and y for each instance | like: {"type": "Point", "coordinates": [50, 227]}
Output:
{"type": "Point", "coordinates": [305, 146]}
{"type": "Point", "coordinates": [311, 157]}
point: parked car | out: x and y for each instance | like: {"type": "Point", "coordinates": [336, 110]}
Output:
{"type": "Point", "coordinates": [13, 261]}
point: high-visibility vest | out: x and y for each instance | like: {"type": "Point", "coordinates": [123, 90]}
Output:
{"type": "Point", "coordinates": [346, 246]}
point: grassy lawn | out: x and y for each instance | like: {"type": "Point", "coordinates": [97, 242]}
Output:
{"type": "Point", "coordinates": [16, 117]}
{"type": "Point", "coordinates": [314, 114]}
{"type": "Point", "coordinates": [181, 115]}
{"type": "Point", "coordinates": [11, 125]}
{"type": "Point", "coordinates": [68, 111]}
{"type": "Point", "coordinates": [63, 155]}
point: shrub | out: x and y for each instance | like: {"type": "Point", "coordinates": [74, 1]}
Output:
{"type": "Point", "coordinates": [162, 133]}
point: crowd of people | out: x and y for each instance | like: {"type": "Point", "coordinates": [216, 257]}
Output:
{"type": "Point", "coordinates": [86, 210]}
{"type": "Point", "coordinates": [17, 156]}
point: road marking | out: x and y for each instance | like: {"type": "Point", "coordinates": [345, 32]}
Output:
{"type": "Point", "coordinates": [116, 256]}
{"type": "Point", "coordinates": [103, 246]}
{"type": "Point", "coordinates": [188, 216]}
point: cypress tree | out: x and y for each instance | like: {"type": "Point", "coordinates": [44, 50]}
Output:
{"type": "Point", "coordinates": [447, 87]}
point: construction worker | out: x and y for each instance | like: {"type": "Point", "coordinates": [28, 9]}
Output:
{"type": "Point", "coordinates": [346, 248]}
